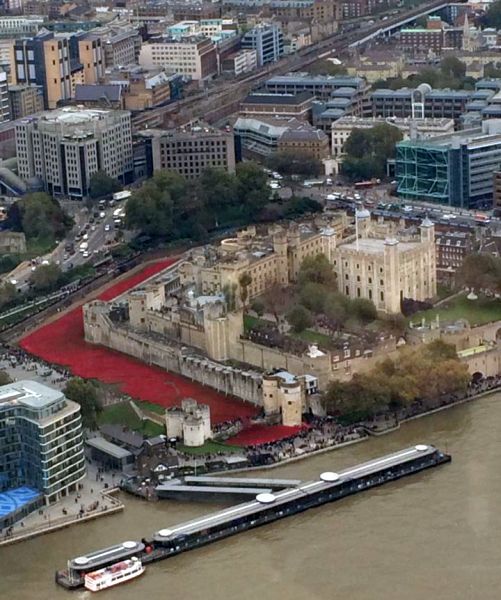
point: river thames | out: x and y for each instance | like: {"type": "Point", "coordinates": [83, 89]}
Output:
{"type": "Point", "coordinates": [433, 535]}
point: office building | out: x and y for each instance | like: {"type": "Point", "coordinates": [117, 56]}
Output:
{"type": "Point", "coordinates": [267, 40]}
{"type": "Point", "coordinates": [350, 92]}
{"type": "Point", "coordinates": [90, 54]}
{"type": "Point", "coordinates": [422, 102]}
{"type": "Point", "coordinates": [454, 170]}
{"type": "Point", "coordinates": [121, 44]}
{"type": "Point", "coordinates": [64, 148]}
{"type": "Point", "coordinates": [195, 57]}
{"type": "Point", "coordinates": [261, 136]}
{"type": "Point", "coordinates": [40, 440]}
{"type": "Point", "coordinates": [44, 60]}
{"type": "Point", "coordinates": [261, 103]}
{"type": "Point", "coordinates": [190, 150]}
{"type": "Point", "coordinates": [25, 100]}
{"type": "Point", "coordinates": [237, 63]}
{"type": "Point", "coordinates": [21, 25]}
{"type": "Point", "coordinates": [410, 128]}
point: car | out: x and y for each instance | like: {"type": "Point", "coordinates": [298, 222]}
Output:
{"type": "Point", "coordinates": [85, 254]}
{"type": "Point", "coordinates": [93, 228]}
{"type": "Point", "coordinates": [107, 227]}
{"type": "Point", "coordinates": [102, 214]}
{"type": "Point", "coordinates": [45, 262]}
{"type": "Point", "coordinates": [85, 236]}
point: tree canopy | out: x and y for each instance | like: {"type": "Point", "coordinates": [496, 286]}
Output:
{"type": "Point", "coordinates": [492, 17]}
{"type": "Point", "coordinates": [480, 272]}
{"type": "Point", "coordinates": [425, 373]}
{"type": "Point", "coordinates": [45, 277]}
{"type": "Point", "coordinates": [451, 73]}
{"type": "Point", "coordinates": [39, 216]}
{"type": "Point", "coordinates": [84, 393]}
{"type": "Point", "coordinates": [101, 184]}
{"type": "Point", "coordinates": [168, 206]}
{"type": "Point", "coordinates": [295, 163]}
{"type": "Point", "coordinates": [367, 151]}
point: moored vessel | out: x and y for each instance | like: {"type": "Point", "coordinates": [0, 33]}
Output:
{"type": "Point", "coordinates": [114, 574]}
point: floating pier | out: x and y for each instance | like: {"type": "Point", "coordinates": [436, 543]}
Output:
{"type": "Point", "coordinates": [265, 508]}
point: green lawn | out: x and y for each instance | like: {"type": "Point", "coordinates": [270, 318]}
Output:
{"type": "Point", "coordinates": [123, 414]}
{"type": "Point", "coordinates": [250, 322]}
{"type": "Point", "coordinates": [313, 337]}
{"type": "Point", "coordinates": [209, 447]}
{"type": "Point", "coordinates": [477, 312]}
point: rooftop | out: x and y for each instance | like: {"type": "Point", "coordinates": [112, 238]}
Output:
{"type": "Point", "coordinates": [377, 246]}
{"type": "Point", "coordinates": [29, 393]}
{"type": "Point", "coordinates": [264, 97]}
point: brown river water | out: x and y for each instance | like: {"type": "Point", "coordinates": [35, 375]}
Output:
{"type": "Point", "coordinates": [434, 535]}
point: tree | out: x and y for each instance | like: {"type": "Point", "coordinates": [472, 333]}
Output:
{"type": "Point", "coordinates": [317, 269]}
{"type": "Point", "coordinates": [45, 277]}
{"type": "Point", "coordinates": [276, 300]}
{"type": "Point", "coordinates": [492, 17]}
{"type": "Point", "coordinates": [367, 151]}
{"type": "Point", "coordinates": [335, 310]}
{"type": "Point", "coordinates": [295, 163]}
{"type": "Point", "coordinates": [480, 272]}
{"type": "Point", "coordinates": [101, 184]}
{"type": "Point", "coordinates": [39, 216]}
{"type": "Point", "coordinates": [299, 318]}
{"type": "Point", "coordinates": [312, 296]}
{"type": "Point", "coordinates": [363, 309]}
{"type": "Point", "coordinates": [258, 307]}
{"type": "Point", "coordinates": [244, 281]}
{"type": "Point", "coordinates": [7, 293]}
{"type": "Point", "coordinates": [327, 67]}
{"type": "Point", "coordinates": [253, 190]}
{"type": "Point", "coordinates": [150, 209]}
{"type": "Point", "coordinates": [84, 393]}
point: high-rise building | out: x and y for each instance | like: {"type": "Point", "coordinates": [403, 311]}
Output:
{"type": "Point", "coordinates": [267, 40]}
{"type": "Point", "coordinates": [455, 170]}
{"type": "Point", "coordinates": [40, 440]}
{"type": "Point", "coordinates": [25, 100]}
{"type": "Point", "coordinates": [65, 147]}
{"type": "Point", "coordinates": [44, 60]}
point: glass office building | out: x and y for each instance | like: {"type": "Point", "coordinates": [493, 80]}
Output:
{"type": "Point", "coordinates": [455, 170]}
{"type": "Point", "coordinates": [40, 440]}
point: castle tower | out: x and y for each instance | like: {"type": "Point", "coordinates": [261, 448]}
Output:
{"type": "Point", "coordinates": [391, 293]}
{"type": "Point", "coordinates": [362, 223]}
{"type": "Point", "coordinates": [280, 245]}
{"type": "Point", "coordinates": [291, 403]}
{"type": "Point", "coordinates": [329, 243]}
{"type": "Point", "coordinates": [270, 395]}
{"type": "Point", "coordinates": [427, 229]}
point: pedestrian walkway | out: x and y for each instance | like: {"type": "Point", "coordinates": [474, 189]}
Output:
{"type": "Point", "coordinates": [89, 501]}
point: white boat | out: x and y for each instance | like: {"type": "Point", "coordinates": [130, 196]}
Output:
{"type": "Point", "coordinates": [114, 574]}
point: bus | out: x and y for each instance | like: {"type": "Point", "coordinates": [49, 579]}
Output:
{"type": "Point", "coordinates": [482, 219]}
{"type": "Point", "coordinates": [313, 182]}
{"type": "Point", "coordinates": [365, 185]}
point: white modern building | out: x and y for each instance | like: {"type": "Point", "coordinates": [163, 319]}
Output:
{"type": "Point", "coordinates": [410, 128]}
{"type": "Point", "coordinates": [40, 440]}
{"type": "Point", "coordinates": [64, 148]}
{"type": "Point", "coordinates": [194, 57]}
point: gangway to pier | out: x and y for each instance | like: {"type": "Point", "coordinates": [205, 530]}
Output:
{"type": "Point", "coordinates": [274, 484]}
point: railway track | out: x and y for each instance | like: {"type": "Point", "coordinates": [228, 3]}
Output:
{"type": "Point", "coordinates": [337, 42]}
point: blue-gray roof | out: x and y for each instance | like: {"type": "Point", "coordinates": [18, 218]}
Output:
{"type": "Point", "coordinates": [85, 92]}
